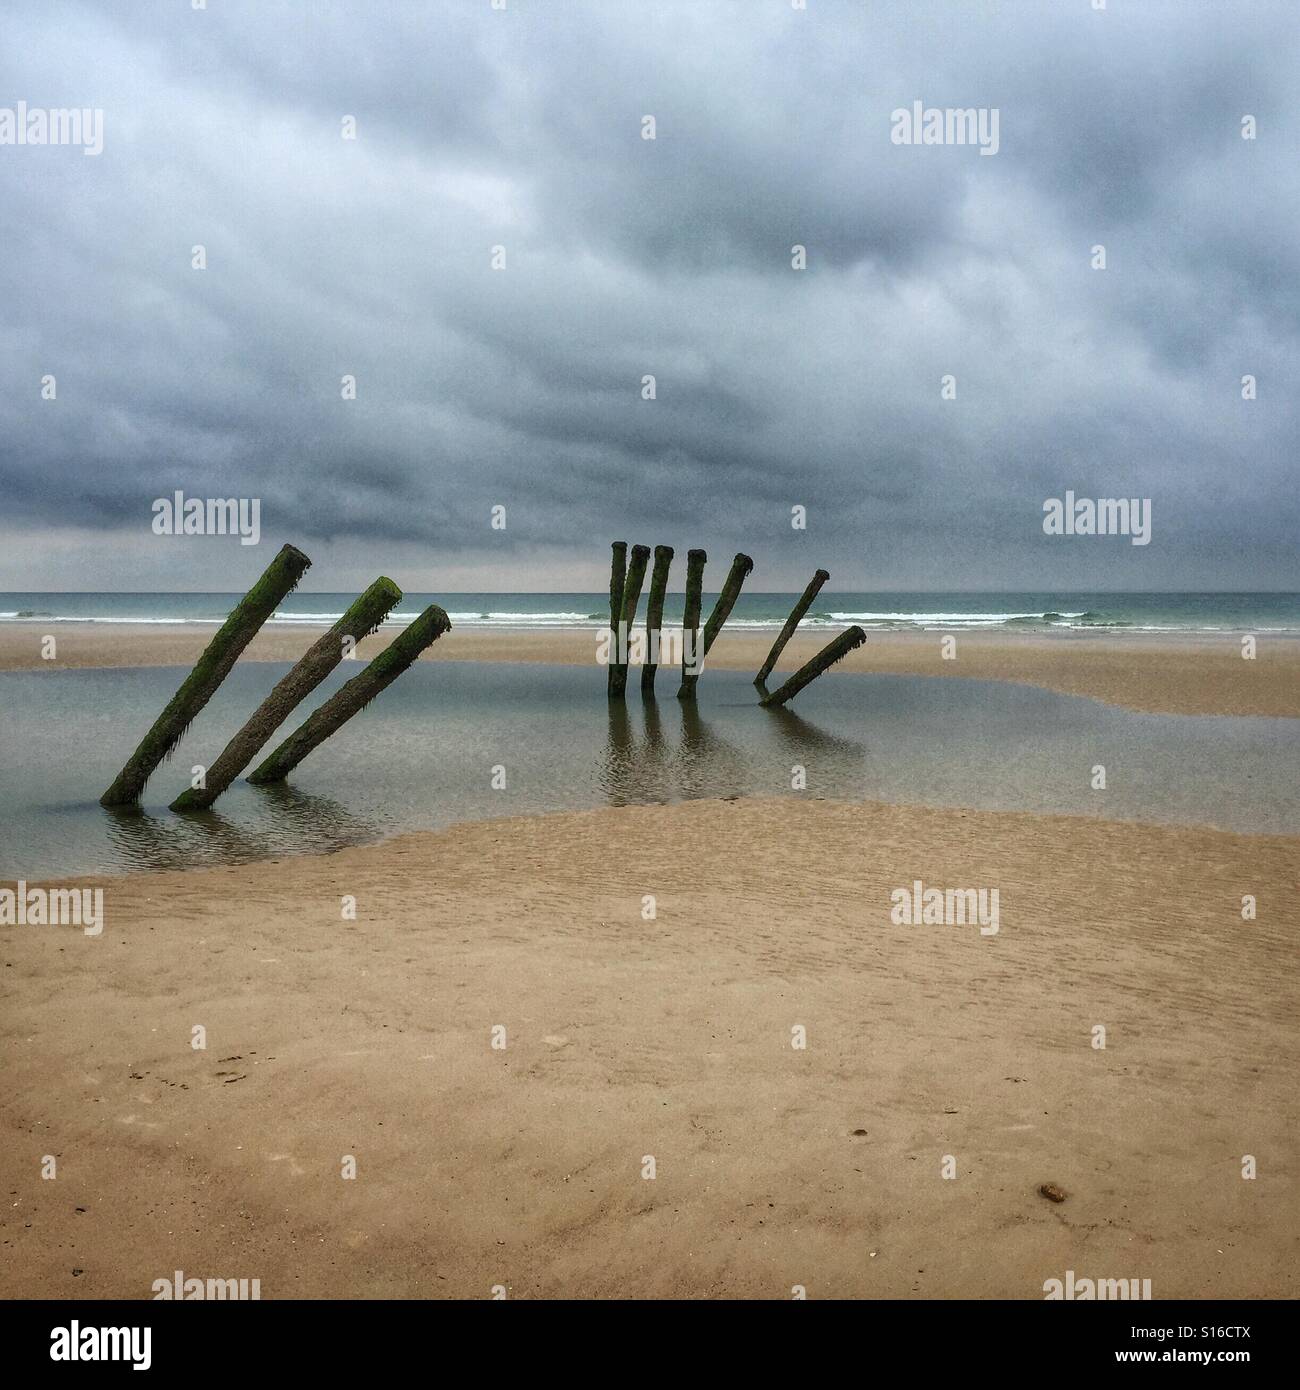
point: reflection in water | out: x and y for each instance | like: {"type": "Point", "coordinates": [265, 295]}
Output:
{"type": "Point", "coordinates": [708, 765]}
{"type": "Point", "coordinates": [802, 736]}
{"type": "Point", "coordinates": [652, 768]}
{"type": "Point", "coordinates": [303, 824]}
{"type": "Point", "coordinates": [329, 824]}
{"type": "Point", "coordinates": [830, 761]}
{"type": "Point", "coordinates": [618, 777]}
{"type": "Point", "coordinates": [417, 759]}
{"type": "Point", "coordinates": [656, 753]}
{"type": "Point", "coordinates": [654, 731]}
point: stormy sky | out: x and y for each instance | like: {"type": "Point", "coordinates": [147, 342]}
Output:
{"type": "Point", "coordinates": [625, 257]}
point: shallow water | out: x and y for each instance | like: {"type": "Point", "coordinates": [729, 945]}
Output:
{"type": "Point", "coordinates": [423, 756]}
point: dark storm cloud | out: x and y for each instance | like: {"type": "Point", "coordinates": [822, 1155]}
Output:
{"type": "Point", "coordinates": [671, 257]}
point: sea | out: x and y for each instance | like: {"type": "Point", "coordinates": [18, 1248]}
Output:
{"type": "Point", "coordinates": [1044, 611]}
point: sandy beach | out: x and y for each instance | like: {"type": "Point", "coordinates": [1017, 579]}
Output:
{"type": "Point", "coordinates": [1173, 674]}
{"type": "Point", "coordinates": [672, 1038]}
{"type": "Point", "coordinates": [628, 1039]}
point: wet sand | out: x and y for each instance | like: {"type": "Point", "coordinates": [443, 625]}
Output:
{"type": "Point", "coordinates": [671, 1038]}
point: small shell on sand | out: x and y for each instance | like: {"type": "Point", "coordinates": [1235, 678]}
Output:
{"type": "Point", "coordinates": [1052, 1192]}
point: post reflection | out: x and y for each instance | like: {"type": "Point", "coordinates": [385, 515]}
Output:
{"type": "Point", "coordinates": [276, 820]}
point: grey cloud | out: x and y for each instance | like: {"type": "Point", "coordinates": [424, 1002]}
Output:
{"type": "Point", "coordinates": [670, 257]}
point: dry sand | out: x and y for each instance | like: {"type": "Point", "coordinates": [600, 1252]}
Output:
{"type": "Point", "coordinates": [775, 1167]}
{"type": "Point", "coordinates": [1176, 674]}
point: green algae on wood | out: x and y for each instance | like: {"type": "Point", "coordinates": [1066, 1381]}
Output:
{"type": "Point", "coordinates": [617, 574]}
{"type": "Point", "coordinates": [353, 697]}
{"type": "Point", "coordinates": [654, 615]}
{"type": "Point", "coordinates": [791, 623]}
{"type": "Point", "coordinates": [239, 629]}
{"type": "Point", "coordinates": [835, 649]}
{"type": "Point", "coordinates": [636, 566]}
{"type": "Point", "coordinates": [691, 642]}
{"type": "Point", "coordinates": [726, 601]}
{"type": "Point", "coordinates": [360, 620]}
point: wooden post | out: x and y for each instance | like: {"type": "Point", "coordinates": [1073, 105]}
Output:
{"type": "Point", "coordinates": [692, 643]}
{"type": "Point", "coordinates": [257, 605]}
{"type": "Point", "coordinates": [631, 597]}
{"type": "Point", "coordinates": [740, 567]}
{"type": "Point", "coordinates": [617, 575]}
{"type": "Point", "coordinates": [810, 670]}
{"type": "Point", "coordinates": [348, 699]}
{"type": "Point", "coordinates": [791, 623]}
{"type": "Point", "coordinates": [654, 615]}
{"type": "Point", "coordinates": [361, 619]}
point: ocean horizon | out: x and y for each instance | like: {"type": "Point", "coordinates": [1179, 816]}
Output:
{"type": "Point", "coordinates": [879, 610]}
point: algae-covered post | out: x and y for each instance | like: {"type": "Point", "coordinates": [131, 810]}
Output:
{"type": "Point", "coordinates": [631, 597]}
{"type": "Point", "coordinates": [354, 696]}
{"type": "Point", "coordinates": [257, 605]}
{"type": "Point", "coordinates": [361, 619]}
{"type": "Point", "coordinates": [791, 623]}
{"type": "Point", "coordinates": [617, 574]}
{"type": "Point", "coordinates": [654, 615]}
{"type": "Point", "coordinates": [691, 644]}
{"type": "Point", "coordinates": [740, 567]}
{"type": "Point", "coordinates": [810, 670]}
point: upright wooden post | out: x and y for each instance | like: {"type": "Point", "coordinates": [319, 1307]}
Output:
{"type": "Point", "coordinates": [348, 699]}
{"type": "Point", "coordinates": [726, 601]}
{"type": "Point", "coordinates": [654, 616]}
{"type": "Point", "coordinates": [617, 575]}
{"type": "Point", "coordinates": [791, 624]}
{"type": "Point", "coordinates": [361, 619]}
{"type": "Point", "coordinates": [631, 597]}
{"type": "Point", "coordinates": [810, 670]}
{"type": "Point", "coordinates": [257, 605]}
{"type": "Point", "coordinates": [692, 638]}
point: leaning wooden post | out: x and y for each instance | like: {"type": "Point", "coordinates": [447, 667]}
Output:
{"type": "Point", "coordinates": [810, 670]}
{"type": "Point", "coordinates": [691, 644]}
{"type": "Point", "coordinates": [791, 623]}
{"type": "Point", "coordinates": [631, 597]}
{"type": "Point", "coordinates": [361, 619]}
{"type": "Point", "coordinates": [740, 567]}
{"type": "Point", "coordinates": [617, 574]}
{"type": "Point", "coordinates": [257, 605]}
{"type": "Point", "coordinates": [654, 615]}
{"type": "Point", "coordinates": [348, 699]}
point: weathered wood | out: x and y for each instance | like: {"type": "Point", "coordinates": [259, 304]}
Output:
{"type": "Point", "coordinates": [617, 577]}
{"type": "Point", "coordinates": [361, 619]}
{"type": "Point", "coordinates": [654, 615]}
{"type": "Point", "coordinates": [791, 624]}
{"type": "Point", "coordinates": [726, 601]}
{"type": "Point", "coordinates": [636, 566]}
{"type": "Point", "coordinates": [692, 639]}
{"type": "Point", "coordinates": [835, 649]}
{"type": "Point", "coordinates": [257, 605]}
{"type": "Point", "coordinates": [349, 699]}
